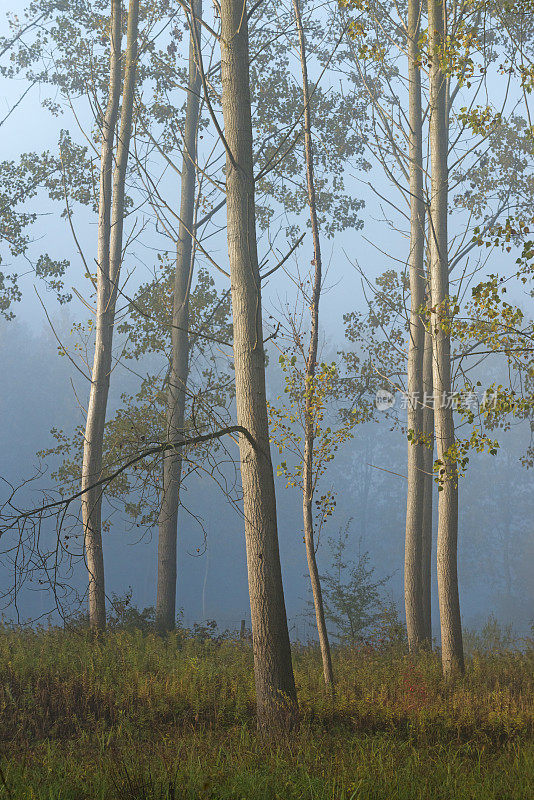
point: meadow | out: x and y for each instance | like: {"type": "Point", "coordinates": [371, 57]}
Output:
{"type": "Point", "coordinates": [133, 716]}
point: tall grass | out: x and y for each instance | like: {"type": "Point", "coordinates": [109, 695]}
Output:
{"type": "Point", "coordinates": [133, 715]}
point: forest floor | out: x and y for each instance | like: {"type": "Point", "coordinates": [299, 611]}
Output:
{"type": "Point", "coordinates": [136, 717]}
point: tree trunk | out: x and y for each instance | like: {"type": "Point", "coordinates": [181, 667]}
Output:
{"type": "Point", "coordinates": [275, 685]}
{"type": "Point", "coordinates": [179, 366]}
{"type": "Point", "coordinates": [92, 454]}
{"type": "Point", "coordinates": [110, 225]}
{"type": "Point", "coordinates": [413, 593]}
{"type": "Point", "coordinates": [428, 461]}
{"type": "Point", "coordinates": [309, 423]}
{"type": "Point", "coordinates": [449, 604]}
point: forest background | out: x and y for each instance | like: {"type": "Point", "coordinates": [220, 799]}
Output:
{"type": "Point", "coordinates": [497, 503]}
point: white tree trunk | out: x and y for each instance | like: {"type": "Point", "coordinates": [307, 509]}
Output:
{"type": "Point", "coordinates": [413, 595]}
{"type": "Point", "coordinates": [275, 686]}
{"type": "Point", "coordinates": [110, 226]}
{"type": "Point", "coordinates": [179, 366]}
{"type": "Point", "coordinates": [449, 604]}
{"type": "Point", "coordinates": [428, 461]}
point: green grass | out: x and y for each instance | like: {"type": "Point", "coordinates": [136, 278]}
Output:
{"type": "Point", "coordinates": [136, 717]}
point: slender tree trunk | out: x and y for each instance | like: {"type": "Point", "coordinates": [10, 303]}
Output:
{"type": "Point", "coordinates": [413, 594]}
{"type": "Point", "coordinates": [110, 225]}
{"type": "Point", "coordinates": [92, 455]}
{"type": "Point", "coordinates": [273, 670]}
{"type": "Point", "coordinates": [179, 366]}
{"type": "Point", "coordinates": [428, 461]}
{"type": "Point", "coordinates": [309, 422]}
{"type": "Point", "coordinates": [449, 604]}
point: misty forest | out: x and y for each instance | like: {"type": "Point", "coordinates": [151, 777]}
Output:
{"type": "Point", "coordinates": [267, 416]}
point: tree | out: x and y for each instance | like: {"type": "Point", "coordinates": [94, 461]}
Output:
{"type": "Point", "coordinates": [447, 568]}
{"type": "Point", "coordinates": [141, 420]}
{"type": "Point", "coordinates": [413, 560]}
{"type": "Point", "coordinates": [352, 593]}
{"type": "Point", "coordinates": [311, 365]}
{"type": "Point", "coordinates": [109, 260]}
{"type": "Point", "coordinates": [20, 181]}
{"type": "Point", "coordinates": [376, 37]}
{"type": "Point", "coordinates": [314, 403]}
{"type": "Point", "coordinates": [275, 685]}
{"type": "Point", "coordinates": [156, 126]}
{"type": "Point", "coordinates": [428, 487]}
{"type": "Point", "coordinates": [179, 367]}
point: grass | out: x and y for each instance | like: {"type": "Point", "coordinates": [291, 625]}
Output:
{"type": "Point", "coordinates": [137, 717]}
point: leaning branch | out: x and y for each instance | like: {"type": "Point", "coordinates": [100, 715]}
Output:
{"type": "Point", "coordinates": [161, 448]}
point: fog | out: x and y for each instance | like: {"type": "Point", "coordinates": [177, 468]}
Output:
{"type": "Point", "coordinates": [497, 509]}
{"type": "Point", "coordinates": [42, 390]}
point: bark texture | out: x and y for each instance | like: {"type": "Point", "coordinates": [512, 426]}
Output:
{"type": "Point", "coordinates": [275, 685]}
{"type": "Point", "coordinates": [413, 594]}
{"type": "Point", "coordinates": [109, 257]}
{"type": "Point", "coordinates": [449, 603]}
{"type": "Point", "coordinates": [179, 366]}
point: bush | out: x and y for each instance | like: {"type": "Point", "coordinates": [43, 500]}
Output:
{"type": "Point", "coordinates": [351, 592]}
{"type": "Point", "coordinates": [493, 638]}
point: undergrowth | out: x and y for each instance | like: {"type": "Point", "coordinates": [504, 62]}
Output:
{"type": "Point", "coordinates": [133, 716]}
